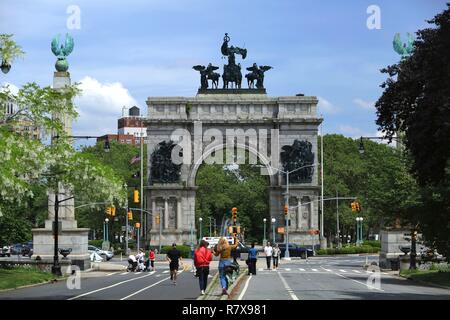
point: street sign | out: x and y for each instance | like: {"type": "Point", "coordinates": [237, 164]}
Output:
{"type": "Point", "coordinates": [124, 228]}
{"type": "Point", "coordinates": [280, 230]}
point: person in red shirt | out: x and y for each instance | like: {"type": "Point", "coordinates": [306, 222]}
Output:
{"type": "Point", "coordinates": [202, 258]}
{"type": "Point", "coordinates": [151, 258]}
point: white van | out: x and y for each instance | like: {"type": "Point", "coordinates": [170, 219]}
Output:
{"type": "Point", "coordinates": [215, 240]}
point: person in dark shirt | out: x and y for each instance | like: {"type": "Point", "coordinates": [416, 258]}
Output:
{"type": "Point", "coordinates": [174, 257]}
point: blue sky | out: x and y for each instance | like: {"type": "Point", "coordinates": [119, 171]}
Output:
{"type": "Point", "coordinates": [126, 51]}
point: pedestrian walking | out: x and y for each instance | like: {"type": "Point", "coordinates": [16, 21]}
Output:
{"type": "Point", "coordinates": [174, 258]}
{"type": "Point", "coordinates": [202, 259]}
{"type": "Point", "coordinates": [252, 257]}
{"type": "Point", "coordinates": [151, 258]}
{"type": "Point", "coordinates": [268, 250]}
{"type": "Point", "coordinates": [224, 251]}
{"type": "Point", "coordinates": [276, 255]}
{"type": "Point", "coordinates": [140, 257]}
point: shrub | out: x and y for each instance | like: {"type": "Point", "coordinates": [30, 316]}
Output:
{"type": "Point", "coordinates": [185, 250]}
{"type": "Point", "coordinates": [348, 250]}
{"type": "Point", "coordinates": [96, 243]}
{"type": "Point", "coordinates": [372, 243]}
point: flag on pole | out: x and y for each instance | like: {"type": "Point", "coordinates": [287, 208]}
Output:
{"type": "Point", "coordinates": [135, 159]}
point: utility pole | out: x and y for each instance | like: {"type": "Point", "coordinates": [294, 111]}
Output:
{"type": "Point", "coordinates": [337, 220]}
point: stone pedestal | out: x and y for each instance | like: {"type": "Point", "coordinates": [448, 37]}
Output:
{"type": "Point", "coordinates": [390, 242]}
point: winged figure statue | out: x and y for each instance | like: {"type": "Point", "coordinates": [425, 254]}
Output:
{"type": "Point", "coordinates": [403, 49]}
{"type": "Point", "coordinates": [257, 73]}
{"type": "Point", "coordinates": [62, 51]}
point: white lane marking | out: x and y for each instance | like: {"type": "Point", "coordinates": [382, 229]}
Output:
{"type": "Point", "coordinates": [315, 270]}
{"type": "Point", "coordinates": [108, 287]}
{"type": "Point", "coordinates": [260, 269]}
{"type": "Point", "coordinates": [341, 270]}
{"type": "Point", "coordinates": [301, 269]}
{"type": "Point", "coordinates": [245, 288]}
{"type": "Point", "coordinates": [165, 271]}
{"type": "Point", "coordinates": [364, 284]}
{"type": "Point", "coordinates": [143, 289]}
{"type": "Point", "coordinates": [110, 274]}
{"type": "Point", "coordinates": [158, 275]}
{"type": "Point", "coordinates": [124, 273]}
{"type": "Point", "coordinates": [356, 271]}
{"type": "Point", "coordinates": [287, 269]}
{"type": "Point", "coordinates": [327, 270]}
{"type": "Point", "coordinates": [289, 290]}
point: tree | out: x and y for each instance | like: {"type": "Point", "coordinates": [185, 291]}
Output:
{"type": "Point", "coordinates": [28, 163]}
{"type": "Point", "coordinates": [416, 103]}
{"type": "Point", "coordinates": [379, 180]}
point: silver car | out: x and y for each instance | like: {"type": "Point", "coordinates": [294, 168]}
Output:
{"type": "Point", "coordinates": [103, 253]}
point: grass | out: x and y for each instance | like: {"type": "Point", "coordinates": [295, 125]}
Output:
{"type": "Point", "coordinates": [17, 277]}
{"type": "Point", "coordinates": [438, 277]}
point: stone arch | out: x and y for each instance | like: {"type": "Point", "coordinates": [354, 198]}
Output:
{"type": "Point", "coordinates": [264, 160]}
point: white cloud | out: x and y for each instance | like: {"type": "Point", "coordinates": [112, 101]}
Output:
{"type": "Point", "coordinates": [99, 106]}
{"type": "Point", "coordinates": [326, 106]}
{"type": "Point", "coordinates": [356, 133]}
{"type": "Point", "coordinates": [368, 105]}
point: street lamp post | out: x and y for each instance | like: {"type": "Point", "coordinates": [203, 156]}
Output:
{"type": "Point", "coordinates": [200, 220]}
{"type": "Point", "coordinates": [106, 229]}
{"type": "Point", "coordinates": [273, 229]}
{"type": "Point", "coordinates": [264, 237]}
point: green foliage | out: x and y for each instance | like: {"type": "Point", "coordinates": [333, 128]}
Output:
{"type": "Point", "coordinates": [372, 243]}
{"type": "Point", "coordinates": [415, 103]}
{"type": "Point", "coordinates": [184, 250]}
{"type": "Point", "coordinates": [96, 243]}
{"type": "Point", "coordinates": [9, 49]}
{"type": "Point", "coordinates": [221, 188]}
{"type": "Point", "coordinates": [379, 179]}
{"type": "Point", "coordinates": [348, 250]}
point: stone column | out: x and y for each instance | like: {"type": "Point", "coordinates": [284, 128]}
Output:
{"type": "Point", "coordinates": [166, 213]}
{"type": "Point", "coordinates": [178, 222]}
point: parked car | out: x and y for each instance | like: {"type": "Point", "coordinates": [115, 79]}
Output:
{"type": "Point", "coordinates": [27, 249]}
{"type": "Point", "coordinates": [5, 251]}
{"type": "Point", "coordinates": [16, 248]}
{"type": "Point", "coordinates": [103, 253]}
{"type": "Point", "coordinates": [295, 250]}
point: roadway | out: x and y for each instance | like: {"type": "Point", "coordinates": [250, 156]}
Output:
{"type": "Point", "coordinates": [332, 278]}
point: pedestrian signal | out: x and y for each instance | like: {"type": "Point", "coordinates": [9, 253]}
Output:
{"type": "Point", "coordinates": [138, 225]}
{"type": "Point", "coordinates": [130, 215]}
{"type": "Point", "coordinates": [157, 219]}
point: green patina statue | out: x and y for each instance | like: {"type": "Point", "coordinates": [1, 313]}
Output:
{"type": "Point", "coordinates": [403, 49]}
{"type": "Point", "coordinates": [62, 51]}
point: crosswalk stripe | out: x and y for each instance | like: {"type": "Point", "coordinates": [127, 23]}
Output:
{"type": "Point", "coordinates": [342, 270]}
{"type": "Point", "coordinates": [165, 271]}
{"type": "Point", "coordinates": [287, 269]}
{"type": "Point", "coordinates": [315, 270]}
{"type": "Point", "coordinates": [356, 271]}
{"type": "Point", "coordinates": [301, 269]}
{"type": "Point", "coordinates": [124, 273]}
{"type": "Point", "coordinates": [260, 269]}
{"type": "Point", "coordinates": [327, 270]}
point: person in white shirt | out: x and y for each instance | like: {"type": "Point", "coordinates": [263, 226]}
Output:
{"type": "Point", "coordinates": [140, 257]}
{"type": "Point", "coordinates": [268, 250]}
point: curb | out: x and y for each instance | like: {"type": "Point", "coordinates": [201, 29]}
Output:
{"type": "Point", "coordinates": [425, 283]}
{"type": "Point", "coordinates": [233, 286]}
{"type": "Point", "coordinates": [212, 285]}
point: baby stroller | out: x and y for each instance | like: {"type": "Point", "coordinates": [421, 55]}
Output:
{"type": "Point", "coordinates": [141, 264]}
{"type": "Point", "coordinates": [132, 265]}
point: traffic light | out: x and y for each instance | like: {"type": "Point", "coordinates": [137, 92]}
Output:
{"type": "Point", "coordinates": [137, 225]}
{"type": "Point", "coordinates": [113, 211]}
{"type": "Point", "coordinates": [356, 207]}
{"type": "Point", "coordinates": [234, 214]}
{"type": "Point", "coordinates": [234, 229]}
{"type": "Point", "coordinates": [136, 196]}
{"type": "Point", "coordinates": [130, 215]}
{"type": "Point", "coordinates": [286, 209]}
{"type": "Point", "coordinates": [108, 211]}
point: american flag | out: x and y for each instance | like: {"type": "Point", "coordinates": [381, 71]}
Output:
{"type": "Point", "coordinates": [135, 159]}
